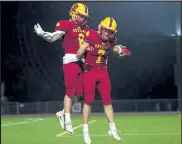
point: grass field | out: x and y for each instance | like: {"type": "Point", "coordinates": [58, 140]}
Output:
{"type": "Point", "coordinates": [135, 129]}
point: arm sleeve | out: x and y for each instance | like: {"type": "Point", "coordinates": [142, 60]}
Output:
{"type": "Point", "coordinates": [60, 30]}
{"type": "Point", "coordinates": [52, 37]}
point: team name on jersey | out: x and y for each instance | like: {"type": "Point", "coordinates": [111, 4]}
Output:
{"type": "Point", "coordinates": [78, 30]}
{"type": "Point", "coordinates": [100, 46]}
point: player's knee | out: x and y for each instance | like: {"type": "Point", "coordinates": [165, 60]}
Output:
{"type": "Point", "coordinates": [89, 98]}
{"type": "Point", "coordinates": [70, 92]}
{"type": "Point", "coordinates": [107, 100]}
{"type": "Point", "coordinates": [107, 103]}
{"type": "Point", "coordinates": [79, 93]}
{"type": "Point", "coordinates": [88, 102]}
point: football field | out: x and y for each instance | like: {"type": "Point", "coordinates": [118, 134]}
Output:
{"type": "Point", "coordinates": [135, 129]}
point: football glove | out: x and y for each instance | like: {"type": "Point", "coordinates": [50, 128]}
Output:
{"type": "Point", "coordinates": [124, 51]}
{"type": "Point", "coordinates": [38, 30]}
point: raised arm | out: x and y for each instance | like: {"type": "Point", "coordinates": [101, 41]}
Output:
{"type": "Point", "coordinates": [48, 36]}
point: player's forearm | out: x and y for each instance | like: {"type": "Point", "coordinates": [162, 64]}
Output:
{"type": "Point", "coordinates": [51, 37]}
{"type": "Point", "coordinates": [82, 50]}
{"type": "Point", "coordinates": [80, 53]}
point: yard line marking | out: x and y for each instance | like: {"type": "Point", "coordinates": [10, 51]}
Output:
{"type": "Point", "coordinates": [74, 128]}
{"type": "Point", "coordinates": [22, 122]}
{"type": "Point", "coordinates": [105, 135]}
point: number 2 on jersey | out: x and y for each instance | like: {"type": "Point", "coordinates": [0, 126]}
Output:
{"type": "Point", "coordinates": [80, 39]}
{"type": "Point", "coordinates": [101, 52]}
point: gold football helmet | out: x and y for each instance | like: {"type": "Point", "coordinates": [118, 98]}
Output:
{"type": "Point", "coordinates": [107, 28]}
{"type": "Point", "coordinates": [79, 13]}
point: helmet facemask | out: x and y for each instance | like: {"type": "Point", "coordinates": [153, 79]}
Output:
{"type": "Point", "coordinates": [106, 34]}
{"type": "Point", "coordinates": [81, 19]}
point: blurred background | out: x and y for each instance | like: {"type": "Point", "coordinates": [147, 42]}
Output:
{"type": "Point", "coordinates": [31, 68]}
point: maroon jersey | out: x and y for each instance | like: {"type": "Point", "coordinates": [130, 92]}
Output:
{"type": "Point", "coordinates": [97, 54]}
{"type": "Point", "coordinates": [74, 36]}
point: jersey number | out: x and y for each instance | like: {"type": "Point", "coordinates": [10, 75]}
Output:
{"type": "Point", "coordinates": [80, 39]}
{"type": "Point", "coordinates": [101, 53]}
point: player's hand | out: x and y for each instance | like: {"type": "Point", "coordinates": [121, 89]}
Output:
{"type": "Point", "coordinates": [38, 30]}
{"type": "Point", "coordinates": [124, 51]}
{"type": "Point", "coordinates": [86, 67]}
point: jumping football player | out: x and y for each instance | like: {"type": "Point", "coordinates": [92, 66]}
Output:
{"type": "Point", "coordinates": [72, 32]}
{"type": "Point", "coordinates": [95, 48]}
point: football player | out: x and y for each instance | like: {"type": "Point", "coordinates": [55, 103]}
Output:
{"type": "Point", "coordinates": [95, 48]}
{"type": "Point", "coordinates": [72, 32]}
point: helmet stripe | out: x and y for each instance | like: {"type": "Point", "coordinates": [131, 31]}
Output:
{"type": "Point", "coordinates": [86, 10]}
{"type": "Point", "coordinates": [110, 24]}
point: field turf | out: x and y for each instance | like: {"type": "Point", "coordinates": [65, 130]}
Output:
{"type": "Point", "coordinates": [135, 129]}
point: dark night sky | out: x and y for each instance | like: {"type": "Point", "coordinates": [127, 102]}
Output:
{"type": "Point", "coordinates": [32, 68]}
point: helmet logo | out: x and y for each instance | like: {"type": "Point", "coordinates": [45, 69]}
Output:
{"type": "Point", "coordinates": [74, 7]}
